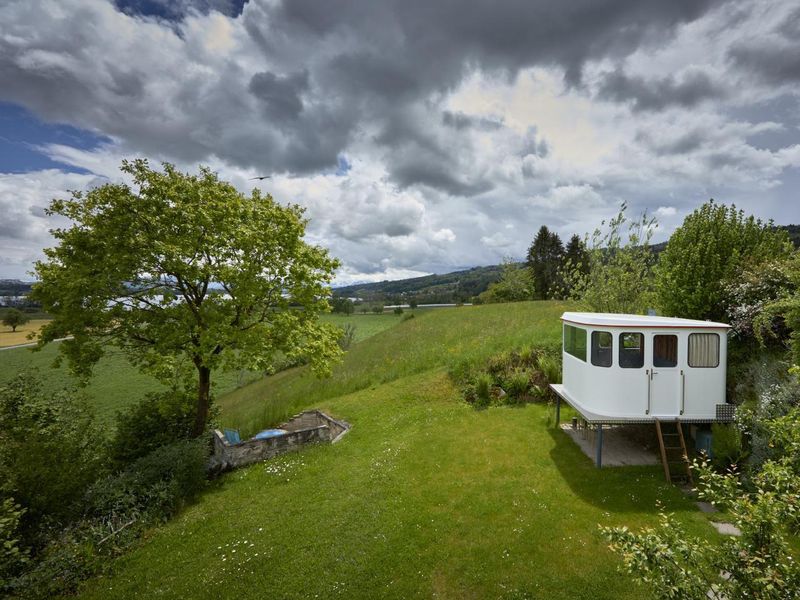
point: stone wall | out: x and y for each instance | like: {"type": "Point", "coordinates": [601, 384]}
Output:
{"type": "Point", "coordinates": [305, 428]}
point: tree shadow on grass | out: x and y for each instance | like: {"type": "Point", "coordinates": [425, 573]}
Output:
{"type": "Point", "coordinates": [614, 489]}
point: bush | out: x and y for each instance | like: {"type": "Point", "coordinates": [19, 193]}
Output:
{"type": "Point", "coordinates": [517, 384]}
{"type": "Point", "coordinates": [483, 390]}
{"type": "Point", "coordinates": [12, 556]}
{"type": "Point", "coordinates": [398, 310]}
{"type": "Point", "coordinates": [51, 450]}
{"type": "Point", "coordinates": [348, 336]}
{"type": "Point", "coordinates": [726, 446]}
{"type": "Point", "coordinates": [709, 250]}
{"type": "Point", "coordinates": [154, 486]}
{"type": "Point", "coordinates": [158, 420]}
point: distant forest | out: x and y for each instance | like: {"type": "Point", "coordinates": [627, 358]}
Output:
{"type": "Point", "coordinates": [459, 286]}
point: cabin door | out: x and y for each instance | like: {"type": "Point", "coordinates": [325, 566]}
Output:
{"type": "Point", "coordinates": [665, 378]}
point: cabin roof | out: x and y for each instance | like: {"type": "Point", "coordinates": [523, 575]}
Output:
{"type": "Point", "coordinates": [639, 321]}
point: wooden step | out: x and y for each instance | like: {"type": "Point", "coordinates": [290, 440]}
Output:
{"type": "Point", "coordinates": [671, 460]}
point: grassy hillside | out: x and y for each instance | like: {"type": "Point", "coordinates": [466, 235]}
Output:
{"type": "Point", "coordinates": [425, 497]}
{"type": "Point", "coordinates": [430, 339]}
{"type": "Point", "coordinates": [116, 384]}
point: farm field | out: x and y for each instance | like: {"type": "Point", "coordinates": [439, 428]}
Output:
{"type": "Point", "coordinates": [20, 336]}
{"type": "Point", "coordinates": [116, 384]}
{"type": "Point", "coordinates": [424, 497]}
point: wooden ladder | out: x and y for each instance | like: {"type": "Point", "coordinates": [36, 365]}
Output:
{"type": "Point", "coordinates": [675, 444]}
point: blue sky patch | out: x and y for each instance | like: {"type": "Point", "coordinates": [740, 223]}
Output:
{"type": "Point", "coordinates": [21, 134]}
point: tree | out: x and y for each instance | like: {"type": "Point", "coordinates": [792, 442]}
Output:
{"type": "Point", "coordinates": [14, 318]}
{"type": "Point", "coordinates": [343, 305]}
{"type": "Point", "coordinates": [412, 304]}
{"type": "Point", "coordinates": [619, 277]}
{"type": "Point", "coordinates": [186, 275]}
{"type": "Point", "coordinates": [707, 251]}
{"type": "Point", "coordinates": [544, 260]}
{"type": "Point", "coordinates": [515, 285]}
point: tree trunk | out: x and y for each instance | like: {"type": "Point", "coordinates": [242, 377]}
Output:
{"type": "Point", "coordinates": [203, 400]}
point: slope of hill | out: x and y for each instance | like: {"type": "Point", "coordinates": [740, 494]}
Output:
{"type": "Point", "coordinates": [424, 497]}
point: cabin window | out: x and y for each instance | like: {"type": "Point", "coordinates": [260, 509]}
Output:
{"type": "Point", "coordinates": [602, 342]}
{"type": "Point", "coordinates": [665, 350]}
{"type": "Point", "coordinates": [704, 350]}
{"type": "Point", "coordinates": [631, 350]}
{"type": "Point", "coordinates": [575, 341]}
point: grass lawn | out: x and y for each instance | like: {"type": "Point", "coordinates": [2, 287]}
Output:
{"type": "Point", "coordinates": [117, 385]}
{"type": "Point", "coordinates": [20, 336]}
{"type": "Point", "coordinates": [425, 497]}
{"type": "Point", "coordinates": [435, 337]}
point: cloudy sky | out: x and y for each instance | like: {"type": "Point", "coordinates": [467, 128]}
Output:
{"type": "Point", "coordinates": [421, 136]}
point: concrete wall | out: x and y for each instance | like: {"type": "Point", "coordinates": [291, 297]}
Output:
{"type": "Point", "coordinates": [305, 428]}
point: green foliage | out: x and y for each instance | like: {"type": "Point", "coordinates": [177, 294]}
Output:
{"type": "Point", "coordinates": [544, 260]}
{"type": "Point", "coordinates": [158, 420]}
{"type": "Point", "coordinates": [50, 450]}
{"type": "Point", "coordinates": [483, 390]}
{"type": "Point", "coordinates": [709, 250]}
{"type": "Point", "coordinates": [515, 285]}
{"type": "Point", "coordinates": [341, 305]}
{"type": "Point", "coordinates": [13, 556]}
{"type": "Point", "coordinates": [347, 336]}
{"type": "Point", "coordinates": [14, 318]}
{"type": "Point", "coordinates": [137, 269]}
{"type": "Point", "coordinates": [726, 446]}
{"type": "Point", "coordinates": [155, 485]}
{"type": "Point", "coordinates": [517, 384]}
{"type": "Point", "coordinates": [619, 278]}
{"type": "Point", "coordinates": [783, 311]}
{"type": "Point", "coordinates": [377, 309]}
{"type": "Point", "coordinates": [760, 563]}
{"type": "Point", "coordinates": [398, 310]}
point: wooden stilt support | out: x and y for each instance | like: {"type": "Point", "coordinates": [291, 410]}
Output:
{"type": "Point", "coordinates": [558, 410]}
{"type": "Point", "coordinates": [599, 440]}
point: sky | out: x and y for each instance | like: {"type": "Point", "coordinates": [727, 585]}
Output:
{"type": "Point", "coordinates": [421, 137]}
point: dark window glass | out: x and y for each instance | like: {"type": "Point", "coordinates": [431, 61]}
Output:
{"type": "Point", "coordinates": [665, 350]}
{"type": "Point", "coordinates": [602, 342]}
{"type": "Point", "coordinates": [631, 350]}
{"type": "Point", "coordinates": [704, 350]}
{"type": "Point", "coordinates": [575, 341]}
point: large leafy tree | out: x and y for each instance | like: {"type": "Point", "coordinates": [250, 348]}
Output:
{"type": "Point", "coordinates": [545, 256]}
{"type": "Point", "coordinates": [515, 285]}
{"type": "Point", "coordinates": [187, 275]}
{"type": "Point", "coordinates": [14, 318]}
{"type": "Point", "coordinates": [707, 251]}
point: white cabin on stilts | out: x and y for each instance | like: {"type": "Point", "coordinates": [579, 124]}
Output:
{"type": "Point", "coordinates": [621, 368]}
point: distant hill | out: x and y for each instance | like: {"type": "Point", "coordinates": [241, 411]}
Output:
{"type": "Point", "coordinates": [429, 289]}
{"type": "Point", "coordinates": [458, 286]}
{"type": "Point", "coordinates": [15, 287]}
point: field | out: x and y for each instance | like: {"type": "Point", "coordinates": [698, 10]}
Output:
{"type": "Point", "coordinates": [20, 336]}
{"type": "Point", "coordinates": [424, 497]}
{"type": "Point", "coordinates": [117, 385]}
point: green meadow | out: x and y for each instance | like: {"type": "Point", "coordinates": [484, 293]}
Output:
{"type": "Point", "coordinates": [424, 497]}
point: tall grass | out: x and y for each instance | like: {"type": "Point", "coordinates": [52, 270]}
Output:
{"type": "Point", "coordinates": [457, 338]}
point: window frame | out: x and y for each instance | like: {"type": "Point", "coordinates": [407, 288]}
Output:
{"type": "Point", "coordinates": [593, 354]}
{"type": "Point", "coordinates": [569, 348]}
{"type": "Point", "coordinates": [622, 348]}
{"type": "Point", "coordinates": [677, 350]}
{"type": "Point", "coordinates": [689, 349]}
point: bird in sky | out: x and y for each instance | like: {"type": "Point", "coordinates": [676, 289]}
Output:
{"type": "Point", "coordinates": [262, 177]}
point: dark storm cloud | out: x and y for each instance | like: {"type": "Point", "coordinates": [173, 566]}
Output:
{"type": "Point", "coordinates": [281, 96]}
{"type": "Point", "coordinates": [770, 61]}
{"type": "Point", "coordinates": [657, 94]}
{"type": "Point", "coordinates": [177, 9]}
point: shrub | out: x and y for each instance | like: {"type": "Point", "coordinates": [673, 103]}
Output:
{"type": "Point", "coordinates": [398, 310]}
{"type": "Point", "coordinates": [159, 419]}
{"type": "Point", "coordinates": [12, 556]}
{"type": "Point", "coordinates": [483, 389]}
{"type": "Point", "coordinates": [708, 250]}
{"type": "Point", "coordinates": [517, 384]}
{"type": "Point", "coordinates": [51, 449]}
{"type": "Point", "coordinates": [550, 367]}
{"type": "Point", "coordinates": [726, 446]}
{"type": "Point", "coordinates": [348, 336]}
{"type": "Point", "coordinates": [155, 485]}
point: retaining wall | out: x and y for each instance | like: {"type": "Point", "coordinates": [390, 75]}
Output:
{"type": "Point", "coordinates": [308, 427]}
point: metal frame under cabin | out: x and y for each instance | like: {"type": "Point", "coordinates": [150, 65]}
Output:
{"type": "Point", "coordinates": [619, 369]}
